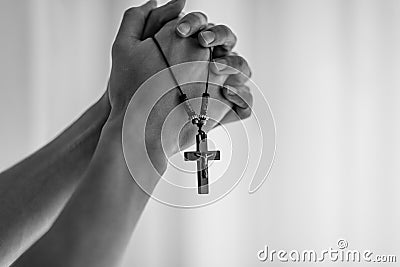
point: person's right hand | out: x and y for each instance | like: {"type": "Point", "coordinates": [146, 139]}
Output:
{"type": "Point", "coordinates": [223, 40]}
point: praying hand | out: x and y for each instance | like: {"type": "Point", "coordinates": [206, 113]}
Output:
{"type": "Point", "coordinates": [74, 202]}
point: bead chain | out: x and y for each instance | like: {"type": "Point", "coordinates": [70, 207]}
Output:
{"type": "Point", "coordinates": [200, 119]}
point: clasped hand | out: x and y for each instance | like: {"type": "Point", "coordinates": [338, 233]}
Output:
{"type": "Point", "coordinates": [79, 183]}
{"type": "Point", "coordinates": [135, 58]}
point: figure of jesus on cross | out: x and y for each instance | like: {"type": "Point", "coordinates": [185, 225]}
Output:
{"type": "Point", "coordinates": [202, 156]}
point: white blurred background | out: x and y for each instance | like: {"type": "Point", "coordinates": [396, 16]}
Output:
{"type": "Point", "coordinates": [331, 72]}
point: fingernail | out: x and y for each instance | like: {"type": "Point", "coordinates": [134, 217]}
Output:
{"type": "Point", "coordinates": [220, 64]}
{"type": "Point", "coordinates": [208, 36]}
{"type": "Point", "coordinates": [184, 28]}
{"type": "Point", "coordinates": [231, 90]}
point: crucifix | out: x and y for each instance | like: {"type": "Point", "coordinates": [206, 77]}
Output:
{"type": "Point", "coordinates": [202, 155]}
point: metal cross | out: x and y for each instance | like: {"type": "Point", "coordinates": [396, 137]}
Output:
{"type": "Point", "coordinates": [202, 156]}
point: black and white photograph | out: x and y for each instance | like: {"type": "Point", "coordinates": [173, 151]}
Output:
{"type": "Point", "coordinates": [192, 133]}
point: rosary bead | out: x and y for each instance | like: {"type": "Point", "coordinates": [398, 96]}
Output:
{"type": "Point", "coordinates": [195, 121]}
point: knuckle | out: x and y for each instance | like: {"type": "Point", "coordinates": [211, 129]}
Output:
{"type": "Point", "coordinates": [234, 38]}
{"type": "Point", "coordinates": [223, 30]}
{"type": "Point", "coordinates": [247, 110]}
{"type": "Point", "coordinates": [197, 20]}
{"type": "Point", "coordinates": [250, 73]}
{"type": "Point", "coordinates": [245, 96]}
{"type": "Point", "coordinates": [240, 62]}
{"type": "Point", "coordinates": [189, 18]}
{"type": "Point", "coordinates": [140, 13]}
{"type": "Point", "coordinates": [131, 11]}
{"type": "Point", "coordinates": [119, 47]}
{"type": "Point", "coordinates": [246, 113]}
{"type": "Point", "coordinates": [226, 35]}
{"type": "Point", "coordinates": [243, 66]}
{"type": "Point", "coordinates": [200, 16]}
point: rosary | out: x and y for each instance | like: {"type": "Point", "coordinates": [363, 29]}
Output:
{"type": "Point", "coordinates": [202, 155]}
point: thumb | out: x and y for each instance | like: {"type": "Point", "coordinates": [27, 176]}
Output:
{"type": "Point", "coordinates": [161, 16]}
{"type": "Point", "coordinates": [134, 20]}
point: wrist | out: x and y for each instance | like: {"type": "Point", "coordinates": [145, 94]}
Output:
{"type": "Point", "coordinates": [142, 148]}
{"type": "Point", "coordinates": [158, 159]}
{"type": "Point", "coordinates": [103, 105]}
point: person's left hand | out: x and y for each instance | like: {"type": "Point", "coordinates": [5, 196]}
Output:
{"type": "Point", "coordinates": [222, 39]}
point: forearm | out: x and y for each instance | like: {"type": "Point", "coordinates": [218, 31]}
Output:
{"type": "Point", "coordinates": [33, 192]}
{"type": "Point", "coordinates": [96, 224]}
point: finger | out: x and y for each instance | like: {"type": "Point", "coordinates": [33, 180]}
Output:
{"type": "Point", "coordinates": [191, 23]}
{"type": "Point", "coordinates": [219, 35]}
{"type": "Point", "coordinates": [134, 20]}
{"type": "Point", "coordinates": [236, 66]}
{"type": "Point", "coordinates": [209, 26]}
{"type": "Point", "coordinates": [242, 100]}
{"type": "Point", "coordinates": [235, 115]}
{"type": "Point", "coordinates": [220, 51]}
{"type": "Point", "coordinates": [240, 96]}
{"type": "Point", "coordinates": [161, 16]}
